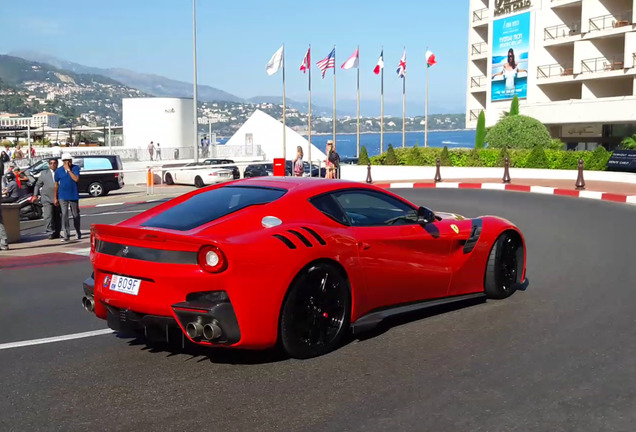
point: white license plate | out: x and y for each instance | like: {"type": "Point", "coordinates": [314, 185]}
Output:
{"type": "Point", "coordinates": [125, 284]}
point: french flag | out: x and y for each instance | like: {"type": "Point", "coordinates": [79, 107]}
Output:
{"type": "Point", "coordinates": [380, 65]}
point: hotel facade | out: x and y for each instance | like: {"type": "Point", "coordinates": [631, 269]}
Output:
{"type": "Point", "coordinates": [572, 63]}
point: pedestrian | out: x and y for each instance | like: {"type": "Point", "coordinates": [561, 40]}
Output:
{"type": "Point", "coordinates": [331, 169]}
{"type": "Point", "coordinates": [18, 154]}
{"type": "Point", "coordinates": [4, 156]}
{"type": "Point", "coordinates": [67, 195]}
{"type": "Point", "coordinates": [3, 233]}
{"type": "Point", "coordinates": [299, 166]}
{"type": "Point", "coordinates": [158, 152]}
{"type": "Point", "coordinates": [334, 158]}
{"type": "Point", "coordinates": [45, 188]}
{"type": "Point", "coordinates": [12, 191]}
{"type": "Point", "coordinates": [151, 149]}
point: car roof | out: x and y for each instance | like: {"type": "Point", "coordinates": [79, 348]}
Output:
{"type": "Point", "coordinates": [301, 185]}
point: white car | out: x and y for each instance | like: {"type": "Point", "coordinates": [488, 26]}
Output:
{"type": "Point", "coordinates": [197, 175]}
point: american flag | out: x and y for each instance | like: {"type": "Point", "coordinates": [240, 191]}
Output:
{"type": "Point", "coordinates": [401, 70]}
{"type": "Point", "coordinates": [327, 62]}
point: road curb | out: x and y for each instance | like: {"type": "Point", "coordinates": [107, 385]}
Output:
{"type": "Point", "coordinates": [604, 196]}
{"type": "Point", "coordinates": [122, 203]}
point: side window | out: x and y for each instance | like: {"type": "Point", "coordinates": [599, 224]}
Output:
{"type": "Point", "coordinates": [370, 208]}
{"type": "Point", "coordinates": [328, 206]}
{"type": "Point", "coordinates": [97, 164]}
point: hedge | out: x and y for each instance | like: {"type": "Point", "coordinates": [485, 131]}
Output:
{"type": "Point", "coordinates": [544, 158]}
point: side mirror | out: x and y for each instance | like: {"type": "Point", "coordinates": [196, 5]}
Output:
{"type": "Point", "coordinates": [425, 216]}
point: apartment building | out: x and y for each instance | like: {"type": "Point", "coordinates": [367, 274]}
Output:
{"type": "Point", "coordinates": [47, 119]}
{"type": "Point", "coordinates": [572, 63]}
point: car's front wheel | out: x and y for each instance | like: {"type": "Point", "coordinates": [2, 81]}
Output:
{"type": "Point", "coordinates": [505, 266]}
{"type": "Point", "coordinates": [316, 312]}
{"type": "Point", "coordinates": [96, 189]}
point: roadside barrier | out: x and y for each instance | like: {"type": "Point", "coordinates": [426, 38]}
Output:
{"type": "Point", "coordinates": [580, 182]}
{"type": "Point", "coordinates": [438, 176]}
{"type": "Point", "coordinates": [506, 176]}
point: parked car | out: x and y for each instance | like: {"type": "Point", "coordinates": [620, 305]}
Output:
{"type": "Point", "coordinates": [197, 175]}
{"type": "Point", "coordinates": [234, 168]}
{"type": "Point", "coordinates": [93, 183]}
{"type": "Point", "coordinates": [262, 170]}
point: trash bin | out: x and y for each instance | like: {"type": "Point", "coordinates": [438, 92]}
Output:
{"type": "Point", "coordinates": [279, 167]}
{"type": "Point", "coordinates": [176, 154]}
{"type": "Point", "coordinates": [11, 221]}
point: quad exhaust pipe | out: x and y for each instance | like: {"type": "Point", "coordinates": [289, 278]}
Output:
{"type": "Point", "coordinates": [209, 331]}
{"type": "Point", "coordinates": [88, 303]}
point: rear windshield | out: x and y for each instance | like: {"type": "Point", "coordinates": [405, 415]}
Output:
{"type": "Point", "coordinates": [208, 206]}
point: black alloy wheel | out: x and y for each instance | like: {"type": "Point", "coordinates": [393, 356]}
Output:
{"type": "Point", "coordinates": [169, 180]}
{"type": "Point", "coordinates": [505, 266]}
{"type": "Point", "coordinates": [198, 182]}
{"type": "Point", "coordinates": [316, 313]}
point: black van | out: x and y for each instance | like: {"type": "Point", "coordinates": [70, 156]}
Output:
{"type": "Point", "coordinates": [98, 184]}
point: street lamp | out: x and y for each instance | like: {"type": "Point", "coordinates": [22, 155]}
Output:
{"type": "Point", "coordinates": [194, 55]}
{"type": "Point", "coordinates": [110, 145]}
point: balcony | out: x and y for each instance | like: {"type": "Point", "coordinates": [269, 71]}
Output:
{"type": "Point", "coordinates": [478, 81]}
{"type": "Point", "coordinates": [479, 48]}
{"type": "Point", "coordinates": [473, 115]}
{"type": "Point", "coordinates": [610, 21]}
{"type": "Point", "coordinates": [601, 64]}
{"type": "Point", "coordinates": [554, 70]}
{"type": "Point", "coordinates": [561, 31]}
{"type": "Point", "coordinates": [480, 15]}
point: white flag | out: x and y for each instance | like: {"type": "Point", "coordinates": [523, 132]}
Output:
{"type": "Point", "coordinates": [275, 62]}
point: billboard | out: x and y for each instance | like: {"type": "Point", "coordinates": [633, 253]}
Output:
{"type": "Point", "coordinates": [510, 47]}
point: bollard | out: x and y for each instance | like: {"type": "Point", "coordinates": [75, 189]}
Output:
{"type": "Point", "coordinates": [438, 176]}
{"type": "Point", "coordinates": [506, 177]}
{"type": "Point", "coordinates": [150, 182]}
{"type": "Point", "coordinates": [580, 182]}
{"type": "Point", "coordinates": [369, 173]}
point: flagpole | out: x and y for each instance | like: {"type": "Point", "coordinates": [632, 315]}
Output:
{"type": "Point", "coordinates": [358, 123]}
{"type": "Point", "coordinates": [284, 114]}
{"type": "Point", "coordinates": [426, 107]}
{"type": "Point", "coordinates": [309, 114]}
{"type": "Point", "coordinates": [334, 97]}
{"type": "Point", "coordinates": [382, 105]}
{"type": "Point", "coordinates": [404, 104]}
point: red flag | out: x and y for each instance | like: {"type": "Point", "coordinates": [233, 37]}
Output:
{"type": "Point", "coordinates": [306, 61]}
{"type": "Point", "coordinates": [380, 65]}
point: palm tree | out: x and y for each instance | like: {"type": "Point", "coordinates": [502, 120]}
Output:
{"type": "Point", "coordinates": [629, 143]}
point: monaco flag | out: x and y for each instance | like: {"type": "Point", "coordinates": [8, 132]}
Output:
{"type": "Point", "coordinates": [306, 61]}
{"type": "Point", "coordinates": [430, 59]}
{"type": "Point", "coordinates": [380, 65]}
{"type": "Point", "coordinates": [352, 62]}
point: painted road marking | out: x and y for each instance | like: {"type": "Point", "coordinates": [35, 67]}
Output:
{"type": "Point", "coordinates": [111, 213]}
{"type": "Point", "coordinates": [108, 204]}
{"type": "Point", "coordinates": [83, 251]}
{"type": "Point", "coordinates": [55, 339]}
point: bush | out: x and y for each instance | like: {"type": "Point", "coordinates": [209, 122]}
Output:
{"type": "Point", "coordinates": [503, 154]}
{"type": "Point", "coordinates": [364, 156]}
{"type": "Point", "coordinates": [480, 134]}
{"type": "Point", "coordinates": [556, 144]}
{"type": "Point", "coordinates": [473, 158]}
{"type": "Point", "coordinates": [519, 131]}
{"type": "Point", "coordinates": [390, 159]}
{"type": "Point", "coordinates": [445, 157]}
{"type": "Point", "coordinates": [514, 106]}
{"type": "Point", "coordinates": [537, 158]}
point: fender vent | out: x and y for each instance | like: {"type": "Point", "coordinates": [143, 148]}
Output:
{"type": "Point", "coordinates": [315, 235]}
{"type": "Point", "coordinates": [301, 237]}
{"type": "Point", "coordinates": [474, 236]}
{"type": "Point", "coordinates": [285, 240]}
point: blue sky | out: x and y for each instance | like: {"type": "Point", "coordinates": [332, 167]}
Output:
{"type": "Point", "coordinates": [235, 39]}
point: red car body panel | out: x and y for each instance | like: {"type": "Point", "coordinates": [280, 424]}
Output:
{"type": "Point", "coordinates": [385, 266]}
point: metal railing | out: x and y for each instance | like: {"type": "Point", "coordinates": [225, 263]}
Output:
{"type": "Point", "coordinates": [479, 48]}
{"type": "Point", "coordinates": [473, 114]}
{"type": "Point", "coordinates": [601, 64]}
{"type": "Point", "coordinates": [552, 70]}
{"type": "Point", "coordinates": [478, 81]}
{"type": "Point", "coordinates": [610, 21]}
{"type": "Point", "coordinates": [480, 14]}
{"type": "Point", "coordinates": [561, 31]}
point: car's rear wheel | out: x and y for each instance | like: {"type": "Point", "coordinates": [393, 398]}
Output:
{"type": "Point", "coordinates": [169, 180]}
{"type": "Point", "coordinates": [198, 182]}
{"type": "Point", "coordinates": [316, 313]}
{"type": "Point", "coordinates": [96, 189]}
{"type": "Point", "coordinates": [505, 266]}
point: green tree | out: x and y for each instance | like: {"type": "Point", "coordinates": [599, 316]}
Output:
{"type": "Point", "coordinates": [518, 132]}
{"type": "Point", "coordinates": [480, 134]}
{"type": "Point", "coordinates": [391, 158]}
{"type": "Point", "coordinates": [537, 158]}
{"type": "Point", "coordinates": [364, 156]}
{"type": "Point", "coordinates": [629, 143]}
{"type": "Point", "coordinates": [514, 106]}
{"type": "Point", "coordinates": [445, 159]}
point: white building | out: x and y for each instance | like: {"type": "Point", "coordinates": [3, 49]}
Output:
{"type": "Point", "coordinates": [168, 121]}
{"type": "Point", "coordinates": [48, 119]}
{"type": "Point", "coordinates": [575, 66]}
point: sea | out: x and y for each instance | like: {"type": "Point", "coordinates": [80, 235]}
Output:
{"type": "Point", "coordinates": [346, 143]}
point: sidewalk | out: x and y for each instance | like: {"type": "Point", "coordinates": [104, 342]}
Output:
{"type": "Point", "coordinates": [131, 194]}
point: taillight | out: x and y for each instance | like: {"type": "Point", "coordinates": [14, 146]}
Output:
{"type": "Point", "coordinates": [116, 175]}
{"type": "Point", "coordinates": [212, 259]}
{"type": "Point", "coordinates": [93, 241]}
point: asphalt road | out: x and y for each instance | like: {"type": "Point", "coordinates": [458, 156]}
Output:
{"type": "Point", "coordinates": [556, 357]}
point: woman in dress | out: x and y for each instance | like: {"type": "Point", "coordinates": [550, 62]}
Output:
{"type": "Point", "coordinates": [509, 72]}
{"type": "Point", "coordinates": [331, 169]}
{"type": "Point", "coordinates": [299, 166]}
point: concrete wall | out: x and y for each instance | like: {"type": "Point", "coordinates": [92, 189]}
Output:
{"type": "Point", "coordinates": [169, 121]}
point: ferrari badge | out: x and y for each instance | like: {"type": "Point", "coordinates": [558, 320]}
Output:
{"type": "Point", "coordinates": [454, 227]}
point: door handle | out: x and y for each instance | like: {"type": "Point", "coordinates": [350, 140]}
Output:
{"type": "Point", "coordinates": [363, 246]}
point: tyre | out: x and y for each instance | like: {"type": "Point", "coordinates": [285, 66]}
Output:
{"type": "Point", "coordinates": [96, 189]}
{"type": "Point", "coordinates": [316, 312]}
{"type": "Point", "coordinates": [505, 266]}
{"type": "Point", "coordinates": [169, 180]}
{"type": "Point", "coordinates": [198, 182]}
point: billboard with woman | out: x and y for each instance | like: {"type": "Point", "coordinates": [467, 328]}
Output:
{"type": "Point", "coordinates": [510, 47]}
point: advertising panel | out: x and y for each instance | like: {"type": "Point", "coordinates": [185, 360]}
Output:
{"type": "Point", "coordinates": [510, 48]}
